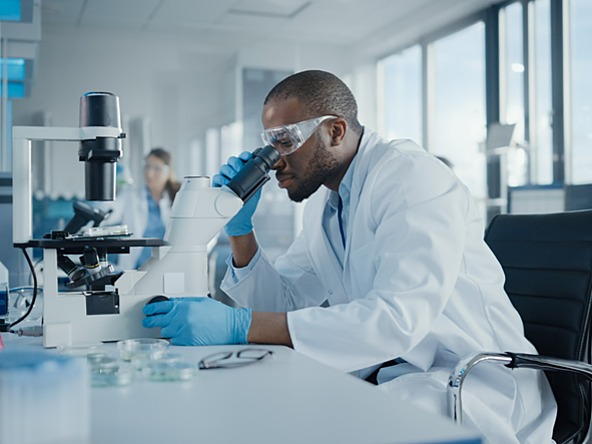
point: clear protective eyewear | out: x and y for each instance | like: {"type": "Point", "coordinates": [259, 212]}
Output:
{"type": "Point", "coordinates": [288, 138]}
{"type": "Point", "coordinates": [232, 359]}
{"type": "Point", "coordinates": [157, 169]}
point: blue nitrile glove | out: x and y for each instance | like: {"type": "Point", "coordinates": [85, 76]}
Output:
{"type": "Point", "coordinates": [198, 321]}
{"type": "Point", "coordinates": [241, 223]}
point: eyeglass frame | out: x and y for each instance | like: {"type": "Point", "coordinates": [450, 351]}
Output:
{"type": "Point", "coordinates": [303, 130]}
{"type": "Point", "coordinates": [206, 363]}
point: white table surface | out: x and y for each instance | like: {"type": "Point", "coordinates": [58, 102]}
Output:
{"type": "Point", "coordinates": [287, 398]}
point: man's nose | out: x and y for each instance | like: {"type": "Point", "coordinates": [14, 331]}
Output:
{"type": "Point", "coordinates": [281, 163]}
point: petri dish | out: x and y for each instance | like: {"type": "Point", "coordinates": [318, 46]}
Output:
{"type": "Point", "coordinates": [82, 349]}
{"type": "Point", "coordinates": [147, 348]}
{"type": "Point", "coordinates": [108, 372]}
{"type": "Point", "coordinates": [169, 371]}
{"type": "Point", "coordinates": [138, 362]}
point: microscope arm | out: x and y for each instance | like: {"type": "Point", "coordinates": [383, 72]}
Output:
{"type": "Point", "coordinates": [180, 268]}
{"type": "Point", "coordinates": [199, 212]}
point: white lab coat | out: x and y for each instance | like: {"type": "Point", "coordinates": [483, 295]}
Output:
{"type": "Point", "coordinates": [131, 208]}
{"type": "Point", "coordinates": [418, 283]}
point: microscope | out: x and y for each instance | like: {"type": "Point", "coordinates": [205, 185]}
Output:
{"type": "Point", "coordinates": [100, 304]}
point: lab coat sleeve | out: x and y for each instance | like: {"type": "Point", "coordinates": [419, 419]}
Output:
{"type": "Point", "coordinates": [412, 258]}
{"type": "Point", "coordinates": [289, 285]}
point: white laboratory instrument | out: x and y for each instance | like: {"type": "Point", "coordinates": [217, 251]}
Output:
{"type": "Point", "coordinates": [109, 305]}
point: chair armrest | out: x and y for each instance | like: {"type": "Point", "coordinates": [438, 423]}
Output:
{"type": "Point", "coordinates": [548, 363]}
{"type": "Point", "coordinates": [510, 360]}
{"type": "Point", "coordinates": [460, 372]}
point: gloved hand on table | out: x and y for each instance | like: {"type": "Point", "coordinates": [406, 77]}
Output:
{"type": "Point", "coordinates": [241, 223]}
{"type": "Point", "coordinates": [198, 321]}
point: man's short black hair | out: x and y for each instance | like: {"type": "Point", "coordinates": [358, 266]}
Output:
{"type": "Point", "coordinates": [320, 93]}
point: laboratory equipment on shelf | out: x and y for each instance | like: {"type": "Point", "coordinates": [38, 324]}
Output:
{"type": "Point", "coordinates": [101, 304]}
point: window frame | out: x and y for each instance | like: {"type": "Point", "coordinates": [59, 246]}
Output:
{"type": "Point", "coordinates": [494, 78]}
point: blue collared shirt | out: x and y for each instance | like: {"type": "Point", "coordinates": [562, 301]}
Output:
{"type": "Point", "coordinates": [336, 215]}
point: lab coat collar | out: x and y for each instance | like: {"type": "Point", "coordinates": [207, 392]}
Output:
{"type": "Point", "coordinates": [357, 173]}
{"type": "Point", "coordinates": [360, 163]}
{"type": "Point", "coordinates": [344, 189]}
{"type": "Point", "coordinates": [346, 182]}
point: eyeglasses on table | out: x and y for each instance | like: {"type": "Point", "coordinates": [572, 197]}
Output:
{"type": "Point", "coordinates": [232, 359]}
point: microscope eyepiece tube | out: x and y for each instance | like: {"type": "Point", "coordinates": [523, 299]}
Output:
{"type": "Point", "coordinates": [255, 172]}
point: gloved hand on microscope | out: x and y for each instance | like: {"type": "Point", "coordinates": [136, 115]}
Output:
{"type": "Point", "coordinates": [201, 320]}
{"type": "Point", "coordinates": [242, 222]}
{"type": "Point", "coordinates": [198, 321]}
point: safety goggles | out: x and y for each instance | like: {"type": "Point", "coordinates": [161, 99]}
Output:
{"type": "Point", "coordinates": [288, 138]}
{"type": "Point", "coordinates": [157, 169]}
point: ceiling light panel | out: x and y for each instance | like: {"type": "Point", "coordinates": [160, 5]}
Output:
{"type": "Point", "coordinates": [271, 8]}
{"type": "Point", "coordinates": [61, 11]}
{"type": "Point", "coordinates": [117, 11]}
{"type": "Point", "coordinates": [192, 11]}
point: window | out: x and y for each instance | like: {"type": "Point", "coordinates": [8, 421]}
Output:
{"type": "Point", "coordinates": [512, 89]}
{"type": "Point", "coordinates": [400, 95]}
{"type": "Point", "coordinates": [459, 104]}
{"type": "Point", "coordinates": [542, 112]}
{"type": "Point", "coordinates": [581, 89]}
{"type": "Point", "coordinates": [514, 69]}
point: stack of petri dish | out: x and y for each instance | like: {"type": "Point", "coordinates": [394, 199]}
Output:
{"type": "Point", "coordinates": [166, 368]}
{"type": "Point", "coordinates": [105, 370]}
{"type": "Point", "coordinates": [145, 348]}
{"type": "Point", "coordinates": [144, 359]}
{"type": "Point", "coordinates": [151, 361]}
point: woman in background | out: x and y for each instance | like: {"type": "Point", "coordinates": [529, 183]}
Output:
{"type": "Point", "coordinates": [146, 209]}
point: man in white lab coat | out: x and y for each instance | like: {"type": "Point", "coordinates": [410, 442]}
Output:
{"type": "Point", "coordinates": [392, 247]}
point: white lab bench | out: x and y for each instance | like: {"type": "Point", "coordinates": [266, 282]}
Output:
{"type": "Point", "coordinates": [287, 398]}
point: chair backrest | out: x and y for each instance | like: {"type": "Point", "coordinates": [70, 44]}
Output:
{"type": "Point", "coordinates": [547, 260]}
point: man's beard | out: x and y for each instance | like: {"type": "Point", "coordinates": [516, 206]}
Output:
{"type": "Point", "coordinates": [321, 168]}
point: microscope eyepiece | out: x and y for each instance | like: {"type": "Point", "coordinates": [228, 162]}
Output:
{"type": "Point", "coordinates": [268, 155]}
{"type": "Point", "coordinates": [255, 172]}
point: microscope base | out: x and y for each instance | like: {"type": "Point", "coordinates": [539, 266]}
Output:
{"type": "Point", "coordinates": [77, 317]}
{"type": "Point", "coordinates": [67, 321]}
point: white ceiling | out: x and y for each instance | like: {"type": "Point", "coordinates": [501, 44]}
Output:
{"type": "Point", "coordinates": [346, 22]}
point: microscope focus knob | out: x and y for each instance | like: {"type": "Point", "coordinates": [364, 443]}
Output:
{"type": "Point", "coordinates": [158, 298]}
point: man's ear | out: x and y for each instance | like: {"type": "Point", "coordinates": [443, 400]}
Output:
{"type": "Point", "coordinates": [338, 130]}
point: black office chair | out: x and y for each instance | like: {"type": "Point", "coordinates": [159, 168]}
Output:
{"type": "Point", "coordinates": [547, 260]}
